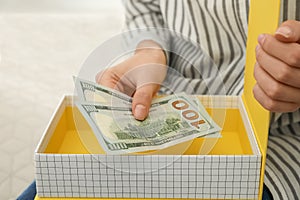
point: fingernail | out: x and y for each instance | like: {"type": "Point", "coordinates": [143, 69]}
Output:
{"type": "Point", "coordinates": [284, 31]}
{"type": "Point", "coordinates": [261, 39]}
{"type": "Point", "coordinates": [140, 112]}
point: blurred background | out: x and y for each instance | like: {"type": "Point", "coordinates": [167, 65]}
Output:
{"type": "Point", "coordinates": [42, 45]}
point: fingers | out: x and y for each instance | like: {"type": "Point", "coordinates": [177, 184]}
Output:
{"type": "Point", "coordinates": [141, 82]}
{"type": "Point", "coordinates": [108, 78]}
{"type": "Point", "coordinates": [275, 90]}
{"type": "Point", "coordinates": [142, 99]}
{"type": "Point", "coordinates": [288, 53]}
{"type": "Point", "coordinates": [279, 70]}
{"type": "Point", "coordinates": [140, 76]}
{"type": "Point", "coordinates": [288, 31]}
{"type": "Point", "coordinates": [271, 104]}
{"type": "Point", "coordinates": [114, 79]}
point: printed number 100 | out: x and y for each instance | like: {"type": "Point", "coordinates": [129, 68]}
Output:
{"type": "Point", "coordinates": [187, 113]}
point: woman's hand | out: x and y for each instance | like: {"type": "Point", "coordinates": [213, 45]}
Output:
{"type": "Point", "coordinates": [139, 76]}
{"type": "Point", "coordinates": [277, 70]}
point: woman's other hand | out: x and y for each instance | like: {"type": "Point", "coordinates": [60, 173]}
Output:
{"type": "Point", "coordinates": [277, 69]}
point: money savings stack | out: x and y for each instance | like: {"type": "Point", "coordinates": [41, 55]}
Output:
{"type": "Point", "coordinates": [77, 158]}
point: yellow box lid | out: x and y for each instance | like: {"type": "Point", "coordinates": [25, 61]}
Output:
{"type": "Point", "coordinates": [263, 18]}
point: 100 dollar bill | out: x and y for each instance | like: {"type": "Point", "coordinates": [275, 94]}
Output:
{"type": "Point", "coordinates": [92, 92]}
{"type": "Point", "coordinates": [172, 120]}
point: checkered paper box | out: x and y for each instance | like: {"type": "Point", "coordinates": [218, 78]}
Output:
{"type": "Point", "coordinates": [64, 167]}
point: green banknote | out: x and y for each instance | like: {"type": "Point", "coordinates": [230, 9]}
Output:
{"type": "Point", "coordinates": [171, 120]}
{"type": "Point", "coordinates": [92, 92]}
{"type": "Point", "coordinates": [197, 103]}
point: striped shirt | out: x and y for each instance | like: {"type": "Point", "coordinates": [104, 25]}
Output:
{"type": "Point", "coordinates": [215, 65]}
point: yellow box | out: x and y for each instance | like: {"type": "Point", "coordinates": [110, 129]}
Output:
{"type": "Point", "coordinates": [232, 169]}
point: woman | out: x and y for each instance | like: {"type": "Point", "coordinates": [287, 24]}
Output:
{"type": "Point", "coordinates": [220, 28]}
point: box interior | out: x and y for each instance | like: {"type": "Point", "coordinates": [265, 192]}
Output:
{"type": "Point", "coordinates": [62, 135]}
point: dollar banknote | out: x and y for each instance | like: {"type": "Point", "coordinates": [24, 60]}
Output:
{"type": "Point", "coordinates": [202, 110]}
{"type": "Point", "coordinates": [92, 92]}
{"type": "Point", "coordinates": [172, 119]}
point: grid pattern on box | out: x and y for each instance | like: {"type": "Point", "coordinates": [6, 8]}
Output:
{"type": "Point", "coordinates": [219, 101]}
{"type": "Point", "coordinates": [148, 176]}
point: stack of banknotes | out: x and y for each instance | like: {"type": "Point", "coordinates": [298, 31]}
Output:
{"type": "Point", "coordinates": [172, 119]}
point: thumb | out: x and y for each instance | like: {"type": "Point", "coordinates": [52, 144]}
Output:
{"type": "Point", "coordinates": [142, 99]}
{"type": "Point", "coordinates": [288, 31]}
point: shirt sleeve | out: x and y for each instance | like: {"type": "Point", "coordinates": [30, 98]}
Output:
{"type": "Point", "coordinates": [144, 21]}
